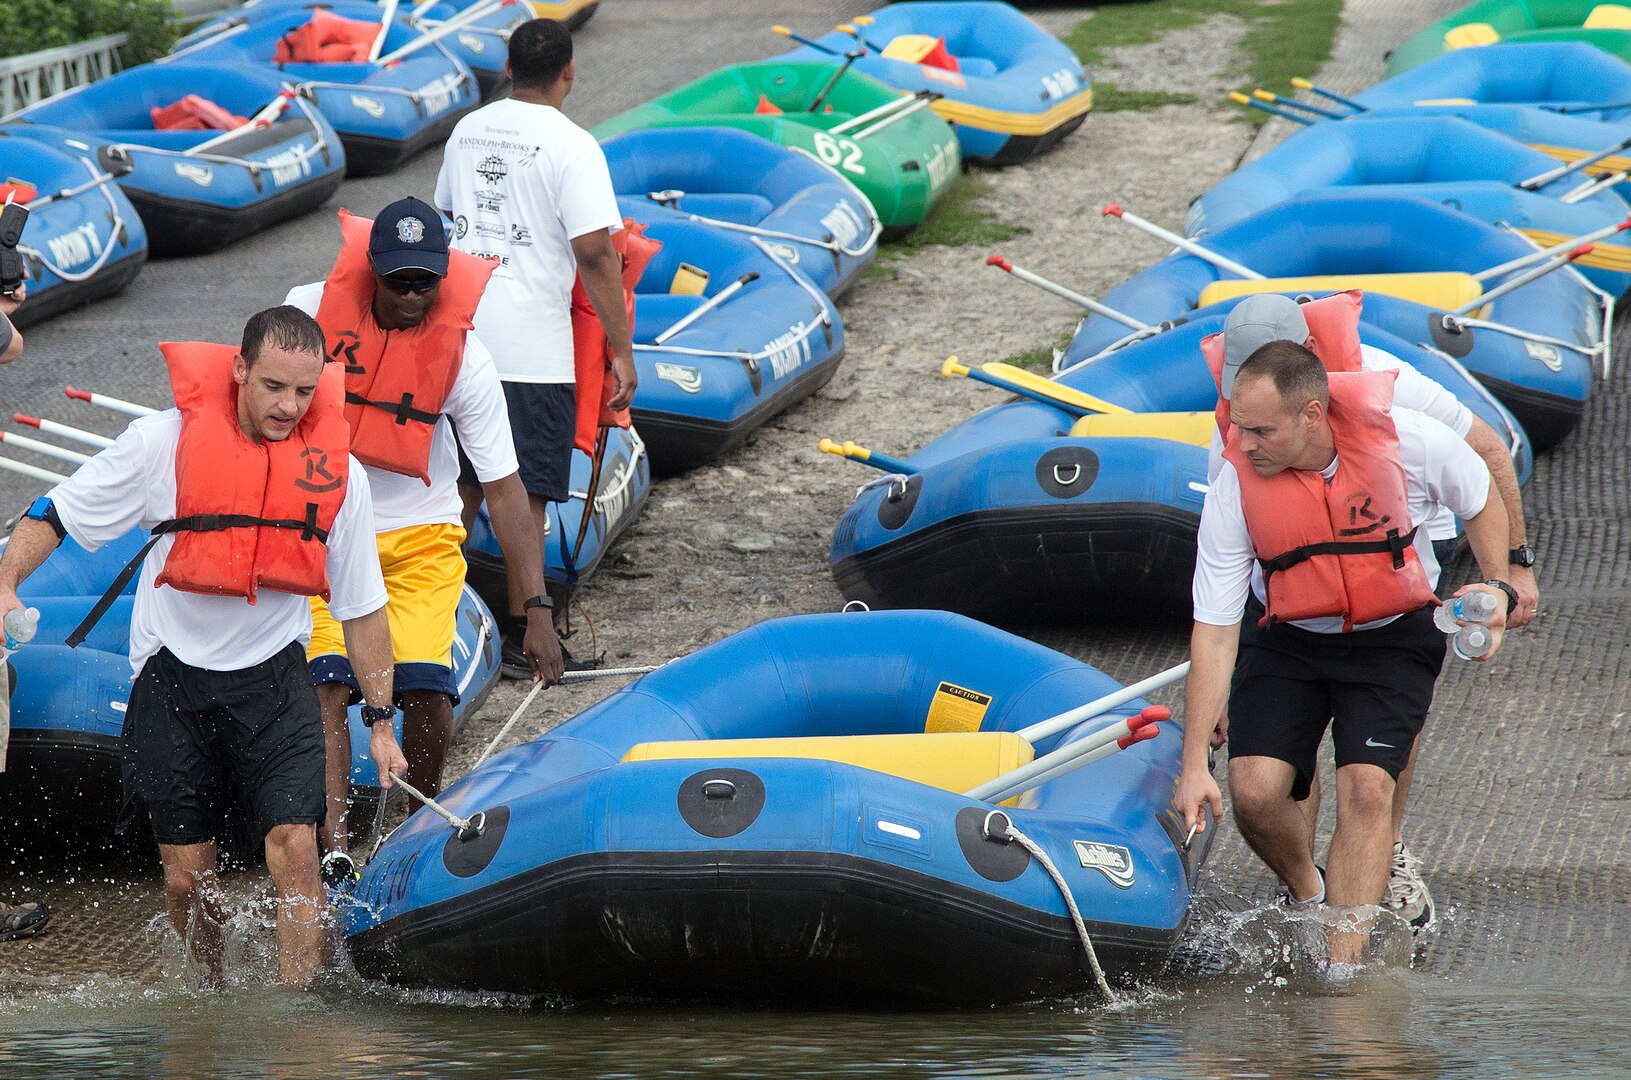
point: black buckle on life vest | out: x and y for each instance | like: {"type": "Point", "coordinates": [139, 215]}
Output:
{"type": "Point", "coordinates": [1395, 544]}
{"type": "Point", "coordinates": [403, 410]}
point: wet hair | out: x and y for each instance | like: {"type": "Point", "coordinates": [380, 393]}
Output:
{"type": "Point", "coordinates": [1297, 373]}
{"type": "Point", "coordinates": [285, 327]}
{"type": "Point", "coordinates": [539, 52]}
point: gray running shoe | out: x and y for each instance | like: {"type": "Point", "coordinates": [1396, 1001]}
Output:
{"type": "Point", "coordinates": [339, 873]}
{"type": "Point", "coordinates": [1407, 895]}
{"type": "Point", "coordinates": [22, 920]}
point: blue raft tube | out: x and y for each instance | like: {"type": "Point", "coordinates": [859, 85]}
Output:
{"type": "Point", "coordinates": [1045, 510]}
{"type": "Point", "coordinates": [782, 816]}
{"type": "Point", "coordinates": [68, 708]}
{"type": "Point", "coordinates": [727, 334]}
{"type": "Point", "coordinates": [812, 216]}
{"type": "Point", "coordinates": [573, 549]}
{"type": "Point", "coordinates": [1534, 348]}
{"type": "Point", "coordinates": [199, 189]}
{"type": "Point", "coordinates": [1569, 77]}
{"type": "Point", "coordinates": [1444, 158]}
{"type": "Point", "coordinates": [385, 110]}
{"type": "Point", "coordinates": [83, 240]}
{"type": "Point", "coordinates": [1011, 89]}
{"type": "Point", "coordinates": [481, 40]}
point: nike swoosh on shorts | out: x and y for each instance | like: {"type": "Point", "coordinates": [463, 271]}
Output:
{"type": "Point", "coordinates": [1382, 745]}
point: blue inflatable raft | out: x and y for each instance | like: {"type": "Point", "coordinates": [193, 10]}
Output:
{"type": "Point", "coordinates": [1534, 348]}
{"type": "Point", "coordinates": [386, 111]}
{"type": "Point", "coordinates": [83, 239]}
{"type": "Point", "coordinates": [572, 550]}
{"type": "Point", "coordinates": [199, 190]}
{"type": "Point", "coordinates": [780, 816]}
{"type": "Point", "coordinates": [1449, 160]}
{"type": "Point", "coordinates": [1011, 89]}
{"type": "Point", "coordinates": [483, 44]}
{"type": "Point", "coordinates": [726, 335]}
{"type": "Point", "coordinates": [1031, 511]}
{"type": "Point", "coordinates": [68, 709]}
{"type": "Point", "coordinates": [1567, 76]}
{"type": "Point", "coordinates": [740, 182]}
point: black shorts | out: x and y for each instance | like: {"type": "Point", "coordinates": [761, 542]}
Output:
{"type": "Point", "coordinates": [194, 737]}
{"type": "Point", "coordinates": [1290, 683]}
{"type": "Point", "coordinates": [543, 422]}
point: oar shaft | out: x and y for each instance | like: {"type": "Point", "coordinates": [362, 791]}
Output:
{"type": "Point", "coordinates": [1293, 103]}
{"type": "Point", "coordinates": [386, 16]}
{"type": "Point", "coordinates": [24, 442]}
{"type": "Point", "coordinates": [1304, 84]}
{"type": "Point", "coordinates": [265, 117]}
{"type": "Point", "coordinates": [893, 105]}
{"type": "Point", "coordinates": [1521, 280]}
{"type": "Point", "coordinates": [1552, 176]}
{"type": "Point", "coordinates": [467, 17]}
{"type": "Point", "coordinates": [1024, 391]}
{"type": "Point", "coordinates": [51, 427]}
{"type": "Point", "coordinates": [1207, 254]}
{"type": "Point", "coordinates": [1096, 747]}
{"type": "Point", "coordinates": [1546, 253]}
{"type": "Point", "coordinates": [855, 452]}
{"type": "Point", "coordinates": [1284, 114]}
{"type": "Point", "coordinates": [712, 302]}
{"type": "Point", "coordinates": [34, 472]}
{"type": "Point", "coordinates": [838, 73]}
{"type": "Point", "coordinates": [920, 101]}
{"type": "Point", "coordinates": [1059, 290]}
{"type": "Point", "coordinates": [802, 40]}
{"type": "Point", "coordinates": [1601, 183]}
{"type": "Point", "coordinates": [129, 408]}
{"type": "Point", "coordinates": [1114, 700]}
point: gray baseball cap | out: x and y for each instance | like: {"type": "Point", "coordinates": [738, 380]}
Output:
{"type": "Point", "coordinates": [1254, 322]}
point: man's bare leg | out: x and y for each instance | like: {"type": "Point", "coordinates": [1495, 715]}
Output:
{"type": "Point", "coordinates": [291, 857]}
{"type": "Point", "coordinates": [1273, 823]}
{"type": "Point", "coordinates": [332, 699]}
{"type": "Point", "coordinates": [1401, 791]}
{"type": "Point", "coordinates": [190, 885]}
{"type": "Point", "coordinates": [427, 729]}
{"type": "Point", "coordinates": [1361, 851]}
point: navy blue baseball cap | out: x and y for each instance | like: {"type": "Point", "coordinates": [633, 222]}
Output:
{"type": "Point", "coordinates": [408, 235]}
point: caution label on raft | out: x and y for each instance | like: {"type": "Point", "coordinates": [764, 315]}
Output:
{"type": "Point", "coordinates": [956, 708]}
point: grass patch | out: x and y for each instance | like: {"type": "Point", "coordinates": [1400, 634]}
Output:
{"type": "Point", "coordinates": [1040, 359]}
{"type": "Point", "coordinates": [1108, 97]}
{"type": "Point", "coordinates": [1283, 38]}
{"type": "Point", "coordinates": [957, 221]}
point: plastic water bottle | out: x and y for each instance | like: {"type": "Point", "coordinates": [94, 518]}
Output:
{"type": "Point", "coordinates": [1473, 640]}
{"type": "Point", "coordinates": [20, 625]}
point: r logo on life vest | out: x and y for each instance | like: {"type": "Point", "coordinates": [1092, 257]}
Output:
{"type": "Point", "coordinates": [1360, 511]}
{"type": "Point", "coordinates": [345, 348]}
{"type": "Point", "coordinates": [317, 468]}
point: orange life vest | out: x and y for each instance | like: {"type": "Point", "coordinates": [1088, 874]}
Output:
{"type": "Point", "coordinates": [1333, 336]}
{"type": "Point", "coordinates": [396, 381]}
{"type": "Point", "coordinates": [194, 113]}
{"type": "Point", "coordinates": [327, 38]}
{"type": "Point", "coordinates": [591, 353]}
{"type": "Point", "coordinates": [250, 516]}
{"type": "Point", "coordinates": [1342, 548]}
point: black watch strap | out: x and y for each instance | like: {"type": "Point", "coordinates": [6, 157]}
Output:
{"type": "Point", "coordinates": [1522, 555]}
{"type": "Point", "coordinates": [542, 601]}
{"type": "Point", "coordinates": [372, 716]}
{"type": "Point", "coordinates": [1511, 593]}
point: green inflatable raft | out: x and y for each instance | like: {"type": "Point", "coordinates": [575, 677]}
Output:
{"type": "Point", "coordinates": [890, 145]}
{"type": "Point", "coordinates": [1485, 22]}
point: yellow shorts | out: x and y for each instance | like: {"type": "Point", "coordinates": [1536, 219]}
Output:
{"type": "Point", "coordinates": [424, 578]}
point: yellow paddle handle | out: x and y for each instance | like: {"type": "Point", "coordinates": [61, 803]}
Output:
{"type": "Point", "coordinates": [1302, 84]}
{"type": "Point", "coordinates": [782, 30]}
{"type": "Point", "coordinates": [863, 20]}
{"type": "Point", "coordinates": [952, 366]}
{"type": "Point", "coordinates": [1262, 95]}
{"type": "Point", "coordinates": [1238, 98]}
{"type": "Point", "coordinates": [846, 449]}
{"type": "Point", "coordinates": [848, 29]}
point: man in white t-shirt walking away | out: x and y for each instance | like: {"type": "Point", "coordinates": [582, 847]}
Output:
{"type": "Point", "coordinates": [528, 187]}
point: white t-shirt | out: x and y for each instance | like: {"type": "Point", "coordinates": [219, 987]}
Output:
{"type": "Point", "coordinates": [476, 405]}
{"type": "Point", "coordinates": [1439, 468]}
{"type": "Point", "coordinates": [520, 182]}
{"type": "Point", "coordinates": [133, 482]}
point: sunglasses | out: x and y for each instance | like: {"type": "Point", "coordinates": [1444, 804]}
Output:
{"type": "Point", "coordinates": [404, 286]}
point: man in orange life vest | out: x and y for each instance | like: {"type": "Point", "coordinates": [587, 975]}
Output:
{"type": "Point", "coordinates": [397, 312]}
{"type": "Point", "coordinates": [254, 505]}
{"type": "Point", "coordinates": [1311, 531]}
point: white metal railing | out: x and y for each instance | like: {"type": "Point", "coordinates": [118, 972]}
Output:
{"type": "Point", "coordinates": [38, 75]}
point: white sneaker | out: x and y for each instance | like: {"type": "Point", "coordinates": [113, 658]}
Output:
{"type": "Point", "coordinates": [1407, 895]}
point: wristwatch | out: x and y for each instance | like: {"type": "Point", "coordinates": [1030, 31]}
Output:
{"type": "Point", "coordinates": [372, 716]}
{"type": "Point", "coordinates": [542, 601]}
{"type": "Point", "coordinates": [1522, 555]}
{"type": "Point", "coordinates": [1511, 593]}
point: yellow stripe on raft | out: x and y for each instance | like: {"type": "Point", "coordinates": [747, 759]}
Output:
{"type": "Point", "coordinates": [951, 761]}
{"type": "Point", "coordinates": [1602, 256]}
{"type": "Point", "coordinates": [1013, 123]}
{"type": "Point", "coordinates": [559, 10]}
{"type": "Point", "coordinates": [1194, 428]}
{"type": "Point", "coordinates": [1569, 155]}
{"type": "Point", "coordinates": [1441, 289]}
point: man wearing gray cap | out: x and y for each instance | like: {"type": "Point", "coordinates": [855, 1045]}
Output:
{"type": "Point", "coordinates": [1255, 322]}
{"type": "Point", "coordinates": [1313, 602]}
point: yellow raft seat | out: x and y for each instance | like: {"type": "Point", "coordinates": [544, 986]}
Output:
{"type": "Point", "coordinates": [951, 760]}
{"type": "Point", "coordinates": [1443, 290]}
{"type": "Point", "coordinates": [1608, 17]}
{"type": "Point", "coordinates": [1194, 428]}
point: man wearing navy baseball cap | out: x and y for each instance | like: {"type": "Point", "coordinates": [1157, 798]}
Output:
{"type": "Point", "coordinates": [398, 310]}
